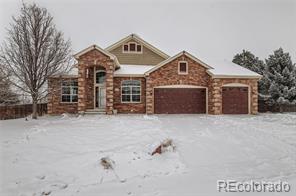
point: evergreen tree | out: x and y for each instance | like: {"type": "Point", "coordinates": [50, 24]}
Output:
{"type": "Point", "coordinates": [281, 78]}
{"type": "Point", "coordinates": [248, 60]}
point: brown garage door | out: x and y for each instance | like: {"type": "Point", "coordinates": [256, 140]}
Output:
{"type": "Point", "coordinates": [179, 101]}
{"type": "Point", "coordinates": [235, 100]}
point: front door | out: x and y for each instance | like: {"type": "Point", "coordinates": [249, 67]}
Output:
{"type": "Point", "coordinates": [101, 97]}
{"type": "Point", "coordinates": [100, 89]}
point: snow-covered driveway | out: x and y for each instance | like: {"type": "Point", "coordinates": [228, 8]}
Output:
{"type": "Point", "coordinates": [60, 155]}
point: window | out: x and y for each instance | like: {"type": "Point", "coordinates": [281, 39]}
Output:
{"type": "Point", "coordinates": [139, 48]}
{"type": "Point", "coordinates": [100, 77]}
{"type": "Point", "coordinates": [132, 47]}
{"type": "Point", "coordinates": [125, 47]}
{"type": "Point", "coordinates": [183, 67]}
{"type": "Point", "coordinates": [69, 91]}
{"type": "Point", "coordinates": [131, 91]}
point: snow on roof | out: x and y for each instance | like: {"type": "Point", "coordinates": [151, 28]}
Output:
{"type": "Point", "coordinates": [229, 69]}
{"type": "Point", "coordinates": [220, 69]}
{"type": "Point", "coordinates": [132, 70]}
{"type": "Point", "coordinates": [73, 71]}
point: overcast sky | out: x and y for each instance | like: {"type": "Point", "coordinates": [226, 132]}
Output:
{"type": "Point", "coordinates": [209, 29]}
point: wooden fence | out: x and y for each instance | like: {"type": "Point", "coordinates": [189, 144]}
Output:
{"type": "Point", "coordinates": [20, 111]}
{"type": "Point", "coordinates": [264, 107]}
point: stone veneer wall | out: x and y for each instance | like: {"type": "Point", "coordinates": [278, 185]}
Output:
{"type": "Point", "coordinates": [55, 106]}
{"type": "Point", "coordinates": [129, 107]}
{"type": "Point", "coordinates": [88, 61]}
{"type": "Point", "coordinates": [168, 75]}
{"type": "Point", "coordinates": [215, 93]}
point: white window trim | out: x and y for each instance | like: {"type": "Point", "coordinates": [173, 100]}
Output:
{"type": "Point", "coordinates": [131, 101]}
{"type": "Point", "coordinates": [71, 89]}
{"type": "Point", "coordinates": [133, 52]}
{"type": "Point", "coordinates": [182, 73]}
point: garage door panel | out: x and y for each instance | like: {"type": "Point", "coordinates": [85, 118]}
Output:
{"type": "Point", "coordinates": [235, 100]}
{"type": "Point", "coordinates": [179, 101]}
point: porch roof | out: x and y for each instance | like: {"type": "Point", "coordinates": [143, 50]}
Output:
{"type": "Point", "coordinates": [132, 70]}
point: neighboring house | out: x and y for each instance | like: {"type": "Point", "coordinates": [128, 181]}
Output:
{"type": "Point", "coordinates": [132, 76]}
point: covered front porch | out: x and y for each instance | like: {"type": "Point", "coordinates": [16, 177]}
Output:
{"type": "Point", "coordinates": [95, 82]}
{"type": "Point", "coordinates": [93, 90]}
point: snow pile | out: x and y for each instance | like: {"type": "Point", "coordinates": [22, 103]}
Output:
{"type": "Point", "coordinates": [150, 117]}
{"type": "Point", "coordinates": [65, 116]}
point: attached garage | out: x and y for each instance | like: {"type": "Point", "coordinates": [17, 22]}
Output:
{"type": "Point", "coordinates": [180, 100]}
{"type": "Point", "coordinates": [235, 100]}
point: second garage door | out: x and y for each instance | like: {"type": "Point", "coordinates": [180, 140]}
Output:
{"type": "Point", "coordinates": [179, 100]}
{"type": "Point", "coordinates": [235, 100]}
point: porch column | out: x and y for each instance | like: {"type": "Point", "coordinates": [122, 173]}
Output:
{"type": "Point", "coordinates": [254, 97]}
{"type": "Point", "coordinates": [215, 97]}
{"type": "Point", "coordinates": [81, 88]}
{"type": "Point", "coordinates": [109, 87]}
{"type": "Point", "coordinates": [149, 96]}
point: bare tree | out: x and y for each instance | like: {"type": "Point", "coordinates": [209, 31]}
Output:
{"type": "Point", "coordinates": [33, 51]}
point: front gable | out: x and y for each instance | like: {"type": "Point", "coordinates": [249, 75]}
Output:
{"type": "Point", "coordinates": [169, 73]}
{"type": "Point", "coordinates": [94, 55]}
{"type": "Point", "coordinates": [133, 50]}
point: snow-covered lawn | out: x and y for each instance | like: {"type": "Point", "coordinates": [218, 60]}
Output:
{"type": "Point", "coordinates": [61, 155]}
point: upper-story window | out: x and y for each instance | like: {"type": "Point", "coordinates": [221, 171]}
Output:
{"type": "Point", "coordinates": [125, 47]}
{"type": "Point", "coordinates": [183, 67]}
{"type": "Point", "coordinates": [132, 47]}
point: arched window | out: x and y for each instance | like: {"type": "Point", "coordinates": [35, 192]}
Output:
{"type": "Point", "coordinates": [100, 77]}
{"type": "Point", "coordinates": [131, 91]}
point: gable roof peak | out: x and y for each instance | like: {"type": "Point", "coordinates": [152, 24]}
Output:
{"type": "Point", "coordinates": [96, 47]}
{"type": "Point", "coordinates": [141, 41]}
{"type": "Point", "coordinates": [175, 57]}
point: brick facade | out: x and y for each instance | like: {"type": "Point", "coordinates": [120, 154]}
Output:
{"type": "Point", "coordinates": [86, 66]}
{"type": "Point", "coordinates": [168, 75]}
{"type": "Point", "coordinates": [129, 107]}
{"type": "Point", "coordinates": [55, 104]}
